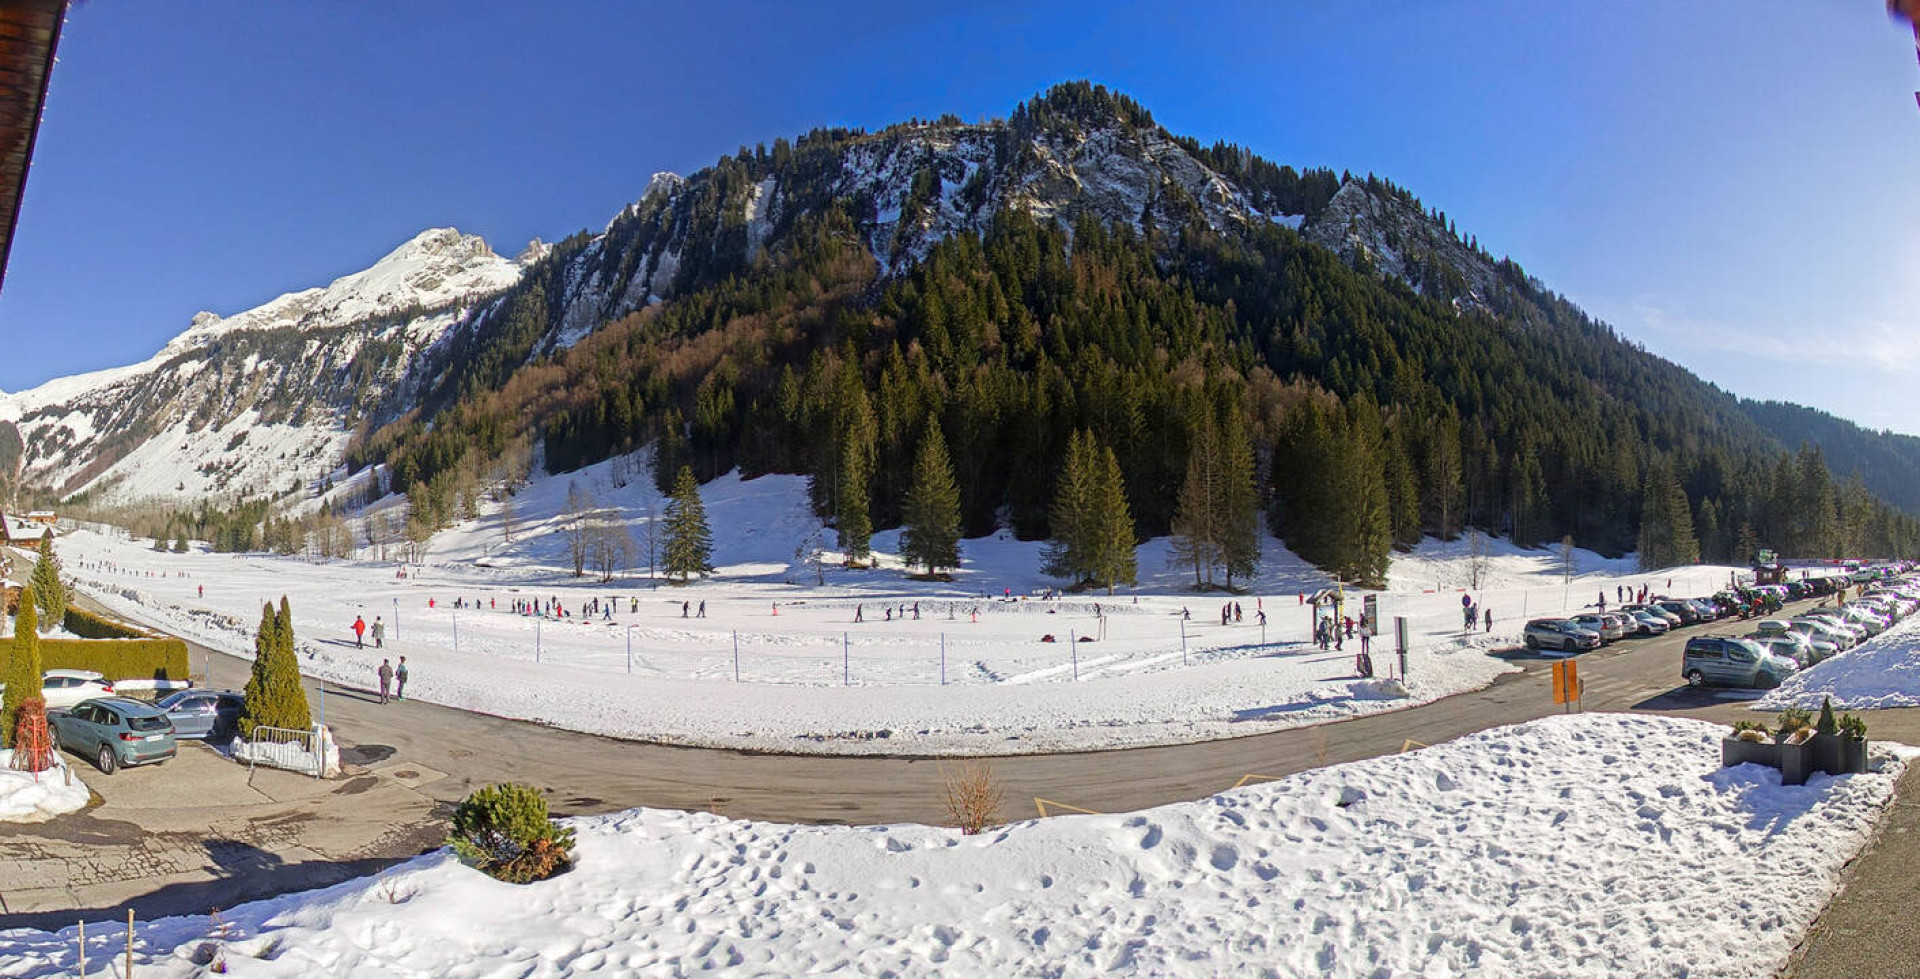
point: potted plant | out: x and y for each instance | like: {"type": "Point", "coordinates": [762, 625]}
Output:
{"type": "Point", "coordinates": [1826, 740]}
{"type": "Point", "coordinates": [1749, 744]}
{"type": "Point", "coordinates": [1793, 737]}
{"type": "Point", "coordinates": [1853, 745]}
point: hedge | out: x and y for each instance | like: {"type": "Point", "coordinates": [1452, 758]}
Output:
{"type": "Point", "coordinates": [87, 625]}
{"type": "Point", "coordinates": [116, 659]}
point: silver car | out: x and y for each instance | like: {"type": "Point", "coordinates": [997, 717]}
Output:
{"type": "Point", "coordinates": [1609, 630]}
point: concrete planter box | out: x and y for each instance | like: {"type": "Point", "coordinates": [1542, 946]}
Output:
{"type": "Point", "coordinates": [1821, 753]}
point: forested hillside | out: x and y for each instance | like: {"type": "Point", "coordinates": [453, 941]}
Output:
{"type": "Point", "coordinates": [1398, 382]}
{"type": "Point", "coordinates": [1886, 462]}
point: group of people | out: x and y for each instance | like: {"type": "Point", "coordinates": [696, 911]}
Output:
{"type": "Point", "coordinates": [361, 630]}
{"type": "Point", "coordinates": [388, 675]}
{"type": "Point", "coordinates": [1476, 616]}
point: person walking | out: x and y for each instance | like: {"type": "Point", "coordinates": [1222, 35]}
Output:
{"type": "Point", "coordinates": [400, 680]}
{"type": "Point", "coordinates": [359, 632]}
{"type": "Point", "coordinates": [379, 633]}
{"type": "Point", "coordinates": [703, 609]}
{"type": "Point", "coordinates": [1486, 618]}
{"type": "Point", "coordinates": [859, 613]}
{"type": "Point", "coordinates": [684, 607]}
{"type": "Point", "coordinates": [386, 679]}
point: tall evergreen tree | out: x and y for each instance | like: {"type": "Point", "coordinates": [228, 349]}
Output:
{"type": "Point", "coordinates": [274, 696]}
{"type": "Point", "coordinates": [1068, 553]}
{"type": "Point", "coordinates": [23, 666]}
{"type": "Point", "coordinates": [1666, 522]}
{"type": "Point", "coordinates": [1199, 525]}
{"type": "Point", "coordinates": [853, 520]}
{"type": "Point", "coordinates": [689, 541]}
{"type": "Point", "coordinates": [932, 510]}
{"type": "Point", "coordinates": [49, 589]}
{"type": "Point", "coordinates": [1109, 529]}
{"type": "Point", "coordinates": [1239, 501]}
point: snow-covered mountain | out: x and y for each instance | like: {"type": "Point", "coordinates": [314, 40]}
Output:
{"type": "Point", "coordinates": [270, 396]}
{"type": "Point", "coordinates": [263, 400]}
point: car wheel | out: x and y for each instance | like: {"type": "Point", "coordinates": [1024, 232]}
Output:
{"type": "Point", "coordinates": [1696, 679]}
{"type": "Point", "coordinates": [107, 761]}
{"type": "Point", "coordinates": [1532, 643]}
{"type": "Point", "coordinates": [1768, 681]}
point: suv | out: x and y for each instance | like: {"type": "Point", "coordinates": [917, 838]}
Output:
{"type": "Point", "coordinates": [1559, 634]}
{"type": "Point", "coordinates": [1600, 623]}
{"type": "Point", "coordinates": [1726, 661]}
{"type": "Point", "coordinates": [62, 689]}
{"type": "Point", "coordinates": [115, 731]}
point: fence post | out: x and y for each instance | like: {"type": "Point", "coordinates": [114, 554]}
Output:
{"type": "Point", "coordinates": [83, 948]}
{"type": "Point", "coordinates": [1075, 643]}
{"type": "Point", "coordinates": [846, 661]}
{"type": "Point", "coordinates": [1183, 642]}
{"type": "Point", "coordinates": [943, 654]}
{"type": "Point", "coordinates": [736, 656]}
{"type": "Point", "coordinates": [129, 974]}
{"type": "Point", "coordinates": [536, 639]}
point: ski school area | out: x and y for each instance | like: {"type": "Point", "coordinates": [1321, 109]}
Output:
{"type": "Point", "coordinates": [772, 654]}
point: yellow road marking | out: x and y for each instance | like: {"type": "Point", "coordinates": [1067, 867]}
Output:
{"type": "Point", "coordinates": [1042, 804]}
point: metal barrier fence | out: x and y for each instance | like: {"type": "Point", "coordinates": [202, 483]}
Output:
{"type": "Point", "coordinates": [280, 747]}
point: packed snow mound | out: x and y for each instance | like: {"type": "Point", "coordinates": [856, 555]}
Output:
{"type": "Point", "coordinates": [1880, 673]}
{"type": "Point", "coordinates": [1592, 845]}
{"type": "Point", "coordinates": [29, 798]}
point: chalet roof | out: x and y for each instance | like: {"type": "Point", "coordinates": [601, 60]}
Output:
{"type": "Point", "coordinates": [29, 33]}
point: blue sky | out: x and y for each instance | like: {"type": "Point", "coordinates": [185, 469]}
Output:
{"type": "Point", "coordinates": [1731, 184]}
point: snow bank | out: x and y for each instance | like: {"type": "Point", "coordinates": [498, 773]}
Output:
{"type": "Point", "coordinates": [290, 755]}
{"type": "Point", "coordinates": [27, 798]}
{"type": "Point", "coordinates": [1882, 672]}
{"type": "Point", "coordinates": [1588, 845]}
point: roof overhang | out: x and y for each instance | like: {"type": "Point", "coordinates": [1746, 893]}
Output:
{"type": "Point", "coordinates": [29, 35]}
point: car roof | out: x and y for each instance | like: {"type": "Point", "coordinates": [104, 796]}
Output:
{"type": "Point", "coordinates": [125, 705]}
{"type": "Point", "coordinates": [82, 674]}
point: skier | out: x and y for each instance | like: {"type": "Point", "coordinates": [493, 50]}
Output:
{"type": "Point", "coordinates": [359, 631]}
{"type": "Point", "coordinates": [400, 679]}
{"type": "Point", "coordinates": [379, 633]}
{"type": "Point", "coordinates": [203, 591]}
{"type": "Point", "coordinates": [386, 680]}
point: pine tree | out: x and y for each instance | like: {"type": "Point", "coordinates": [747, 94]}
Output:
{"type": "Point", "coordinates": [1199, 529]}
{"type": "Point", "coordinates": [1239, 502]}
{"type": "Point", "coordinates": [23, 666]}
{"type": "Point", "coordinates": [853, 520]}
{"type": "Point", "coordinates": [1666, 522]}
{"type": "Point", "coordinates": [1109, 530]}
{"type": "Point", "coordinates": [932, 510]}
{"type": "Point", "coordinates": [274, 696]}
{"type": "Point", "coordinates": [50, 592]}
{"type": "Point", "coordinates": [689, 541]}
{"type": "Point", "coordinates": [1068, 551]}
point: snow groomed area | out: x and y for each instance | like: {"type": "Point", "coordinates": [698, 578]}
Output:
{"type": "Point", "coordinates": [973, 673]}
{"type": "Point", "coordinates": [1588, 845]}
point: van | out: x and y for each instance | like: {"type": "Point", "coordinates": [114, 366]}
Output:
{"type": "Point", "coordinates": [1730, 662]}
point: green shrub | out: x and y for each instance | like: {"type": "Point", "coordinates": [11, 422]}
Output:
{"type": "Point", "coordinates": [1853, 727]}
{"type": "Point", "coordinates": [49, 589]}
{"type": "Point", "coordinates": [1792, 719]}
{"type": "Point", "coordinates": [503, 830]}
{"type": "Point", "coordinates": [23, 666]}
{"type": "Point", "coordinates": [275, 697]}
{"type": "Point", "coordinates": [1749, 731]}
{"type": "Point", "coordinates": [118, 659]}
{"type": "Point", "coordinates": [87, 625]}
{"type": "Point", "coordinates": [1826, 724]}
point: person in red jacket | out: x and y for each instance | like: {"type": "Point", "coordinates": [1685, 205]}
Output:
{"type": "Point", "coordinates": [359, 632]}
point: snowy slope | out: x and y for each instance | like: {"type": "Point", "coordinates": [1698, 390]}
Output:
{"type": "Point", "coordinates": [260, 400]}
{"type": "Point", "coordinates": [1594, 845]}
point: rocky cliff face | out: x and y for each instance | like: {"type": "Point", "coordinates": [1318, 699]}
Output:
{"type": "Point", "coordinates": [261, 401]}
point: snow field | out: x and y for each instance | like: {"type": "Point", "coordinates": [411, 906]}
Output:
{"type": "Point", "coordinates": [29, 798]}
{"type": "Point", "coordinates": [1881, 673]}
{"type": "Point", "coordinates": [971, 675]}
{"type": "Point", "coordinates": [1585, 845]}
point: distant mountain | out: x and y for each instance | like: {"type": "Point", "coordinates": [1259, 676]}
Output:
{"type": "Point", "coordinates": [1886, 462]}
{"type": "Point", "coordinates": [261, 401]}
{"type": "Point", "coordinates": [814, 306]}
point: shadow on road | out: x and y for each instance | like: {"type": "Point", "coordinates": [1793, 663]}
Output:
{"type": "Point", "coordinates": [1695, 698]}
{"type": "Point", "coordinates": [353, 693]}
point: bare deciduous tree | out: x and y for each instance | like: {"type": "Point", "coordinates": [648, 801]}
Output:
{"type": "Point", "coordinates": [973, 796]}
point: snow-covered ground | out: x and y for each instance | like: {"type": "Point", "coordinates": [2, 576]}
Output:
{"type": "Point", "coordinates": [1882, 672]}
{"type": "Point", "coordinates": [30, 798]}
{"type": "Point", "coordinates": [972, 672]}
{"type": "Point", "coordinates": [1587, 845]}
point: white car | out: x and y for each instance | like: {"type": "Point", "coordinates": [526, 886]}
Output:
{"type": "Point", "coordinates": [65, 688]}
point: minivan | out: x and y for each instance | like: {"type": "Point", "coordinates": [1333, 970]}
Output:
{"type": "Point", "coordinates": [1730, 662]}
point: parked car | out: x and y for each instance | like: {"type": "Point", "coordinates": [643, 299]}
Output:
{"type": "Point", "coordinates": [1608, 629]}
{"type": "Point", "coordinates": [1821, 646]}
{"type": "Point", "coordinates": [1790, 647]}
{"type": "Point", "coordinates": [1650, 623]}
{"type": "Point", "coordinates": [115, 732]}
{"type": "Point", "coordinates": [1835, 622]}
{"type": "Point", "coordinates": [1673, 621]}
{"type": "Point", "coordinates": [1687, 613]}
{"type": "Point", "coordinates": [1629, 626]}
{"type": "Point", "coordinates": [1726, 661]}
{"type": "Point", "coordinates": [1844, 638]}
{"type": "Point", "coordinates": [1708, 610]}
{"type": "Point", "coordinates": [64, 688]}
{"type": "Point", "coordinates": [1561, 634]}
{"type": "Point", "coordinates": [203, 714]}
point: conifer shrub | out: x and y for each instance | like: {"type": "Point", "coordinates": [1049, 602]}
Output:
{"type": "Point", "coordinates": [49, 591]}
{"type": "Point", "coordinates": [274, 695]}
{"type": "Point", "coordinates": [23, 666]}
{"type": "Point", "coordinates": [118, 659]}
{"type": "Point", "coordinates": [1853, 727]}
{"type": "Point", "coordinates": [1792, 721]}
{"type": "Point", "coordinates": [1827, 725]}
{"type": "Point", "coordinates": [504, 831]}
{"type": "Point", "coordinates": [87, 625]}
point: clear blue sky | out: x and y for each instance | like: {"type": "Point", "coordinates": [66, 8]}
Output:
{"type": "Point", "coordinates": [1736, 185]}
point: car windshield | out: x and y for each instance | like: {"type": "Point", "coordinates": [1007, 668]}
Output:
{"type": "Point", "coordinates": [146, 722]}
{"type": "Point", "coordinates": [171, 701]}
